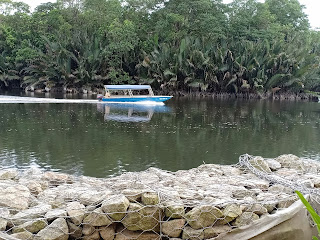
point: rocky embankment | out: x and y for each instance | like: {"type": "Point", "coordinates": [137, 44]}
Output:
{"type": "Point", "coordinates": [200, 203]}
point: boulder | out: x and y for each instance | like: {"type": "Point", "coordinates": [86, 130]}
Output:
{"type": "Point", "coordinates": [116, 206]}
{"type": "Point", "coordinates": [34, 187]}
{"type": "Point", "coordinates": [260, 164]}
{"type": "Point", "coordinates": [256, 208]}
{"type": "Point", "coordinates": [22, 235]}
{"type": "Point", "coordinates": [273, 164]}
{"type": "Point", "coordinates": [75, 232]}
{"type": "Point", "coordinates": [7, 174]}
{"type": "Point", "coordinates": [243, 193]}
{"type": "Point", "coordinates": [150, 198]}
{"type": "Point", "coordinates": [37, 211]}
{"type": "Point", "coordinates": [214, 231]}
{"type": "Point", "coordinates": [97, 218]}
{"type": "Point", "coordinates": [33, 226]}
{"type": "Point", "coordinates": [3, 224]}
{"type": "Point", "coordinates": [61, 194]}
{"type": "Point", "coordinates": [57, 230]}
{"type": "Point", "coordinates": [94, 236]}
{"type": "Point", "coordinates": [56, 179]}
{"type": "Point", "coordinates": [287, 201]}
{"type": "Point", "coordinates": [230, 212]}
{"type": "Point", "coordinates": [192, 234]}
{"type": "Point", "coordinates": [278, 188]}
{"type": "Point", "coordinates": [133, 195]}
{"type": "Point", "coordinates": [108, 233]}
{"type": "Point", "coordinates": [174, 210]}
{"type": "Point", "coordinates": [4, 215]}
{"type": "Point", "coordinates": [76, 212]}
{"type": "Point", "coordinates": [291, 161]}
{"type": "Point", "coordinates": [14, 196]}
{"type": "Point", "coordinates": [203, 216]}
{"type": "Point", "coordinates": [54, 214]}
{"type": "Point", "coordinates": [130, 235]}
{"type": "Point", "coordinates": [246, 218]}
{"type": "Point", "coordinates": [173, 228]}
{"type": "Point", "coordinates": [145, 218]}
{"type": "Point", "coordinates": [87, 229]}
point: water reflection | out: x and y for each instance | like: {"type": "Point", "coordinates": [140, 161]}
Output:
{"type": "Point", "coordinates": [130, 112]}
{"type": "Point", "coordinates": [75, 138]}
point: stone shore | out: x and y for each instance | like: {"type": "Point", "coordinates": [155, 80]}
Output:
{"type": "Point", "coordinates": [200, 203]}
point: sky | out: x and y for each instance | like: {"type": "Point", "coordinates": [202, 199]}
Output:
{"type": "Point", "coordinates": [312, 9]}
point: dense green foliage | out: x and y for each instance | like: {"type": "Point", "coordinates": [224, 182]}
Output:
{"type": "Point", "coordinates": [175, 45]}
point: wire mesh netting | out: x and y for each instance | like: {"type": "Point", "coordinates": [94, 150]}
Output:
{"type": "Point", "coordinates": [208, 202]}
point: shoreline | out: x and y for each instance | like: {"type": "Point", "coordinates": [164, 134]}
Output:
{"type": "Point", "coordinates": [311, 97]}
{"type": "Point", "coordinates": [208, 202]}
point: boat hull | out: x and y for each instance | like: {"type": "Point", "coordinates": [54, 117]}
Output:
{"type": "Point", "coordinates": [137, 99]}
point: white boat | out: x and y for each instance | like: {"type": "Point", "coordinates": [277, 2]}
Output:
{"type": "Point", "coordinates": [127, 93]}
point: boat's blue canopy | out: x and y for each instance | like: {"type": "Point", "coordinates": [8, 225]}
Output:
{"type": "Point", "coordinates": [127, 87]}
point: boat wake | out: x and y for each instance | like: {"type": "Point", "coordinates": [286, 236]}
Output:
{"type": "Point", "coordinates": [15, 99]}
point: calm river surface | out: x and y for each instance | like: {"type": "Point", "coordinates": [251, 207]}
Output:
{"type": "Point", "coordinates": [103, 140]}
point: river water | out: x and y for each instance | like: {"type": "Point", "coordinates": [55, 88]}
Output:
{"type": "Point", "coordinates": [100, 140]}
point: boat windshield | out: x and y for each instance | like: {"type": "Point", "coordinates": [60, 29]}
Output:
{"type": "Point", "coordinates": [128, 90]}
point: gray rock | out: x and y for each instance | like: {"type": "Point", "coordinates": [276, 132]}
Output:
{"type": "Point", "coordinates": [94, 236]}
{"type": "Point", "coordinates": [97, 218]}
{"type": "Point", "coordinates": [287, 201]}
{"type": "Point", "coordinates": [256, 208]}
{"type": "Point", "coordinates": [33, 226]}
{"type": "Point", "coordinates": [316, 182]}
{"type": "Point", "coordinates": [54, 214]}
{"type": "Point", "coordinates": [273, 164]}
{"type": "Point", "coordinates": [246, 218]}
{"type": "Point", "coordinates": [116, 206]}
{"type": "Point", "coordinates": [260, 164]}
{"type": "Point", "coordinates": [57, 230]}
{"type": "Point", "coordinates": [192, 234]}
{"type": "Point", "coordinates": [214, 231]}
{"type": "Point", "coordinates": [126, 235]}
{"type": "Point", "coordinates": [4, 216]}
{"type": "Point", "coordinates": [88, 229]}
{"type": "Point", "coordinates": [3, 224]}
{"type": "Point", "coordinates": [35, 187]}
{"type": "Point", "coordinates": [22, 235]}
{"type": "Point", "coordinates": [243, 193]}
{"type": "Point", "coordinates": [278, 188]}
{"type": "Point", "coordinates": [56, 179]}
{"type": "Point", "coordinates": [32, 213]}
{"type": "Point", "coordinates": [75, 232]}
{"type": "Point", "coordinates": [108, 233]}
{"type": "Point", "coordinates": [291, 161]}
{"type": "Point", "coordinates": [14, 196]}
{"type": "Point", "coordinates": [174, 210]}
{"type": "Point", "coordinates": [133, 195]}
{"type": "Point", "coordinates": [7, 174]}
{"type": "Point", "coordinates": [145, 218]}
{"type": "Point", "coordinates": [203, 216]}
{"type": "Point", "coordinates": [270, 206]}
{"type": "Point", "coordinates": [173, 228]}
{"type": "Point", "coordinates": [150, 198]}
{"type": "Point", "coordinates": [308, 183]}
{"type": "Point", "coordinates": [230, 212]}
{"type": "Point", "coordinates": [76, 212]}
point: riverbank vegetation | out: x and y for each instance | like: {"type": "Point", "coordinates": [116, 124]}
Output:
{"type": "Point", "coordinates": [175, 45]}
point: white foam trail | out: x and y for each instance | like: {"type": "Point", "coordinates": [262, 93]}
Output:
{"type": "Point", "coordinates": [151, 103]}
{"type": "Point", "coordinates": [14, 99]}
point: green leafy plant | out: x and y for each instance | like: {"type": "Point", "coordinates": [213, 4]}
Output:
{"type": "Point", "coordinates": [314, 215]}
